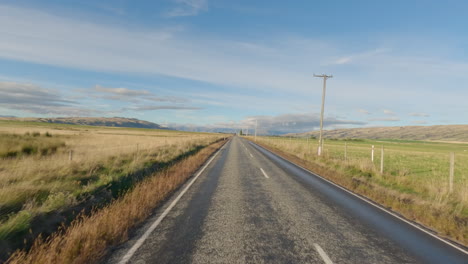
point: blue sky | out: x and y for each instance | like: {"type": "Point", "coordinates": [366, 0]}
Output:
{"type": "Point", "coordinates": [220, 63]}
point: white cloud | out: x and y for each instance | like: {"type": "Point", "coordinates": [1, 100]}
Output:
{"type": "Point", "coordinates": [364, 111]}
{"type": "Point", "coordinates": [359, 56]}
{"type": "Point", "coordinates": [387, 119]}
{"type": "Point", "coordinates": [187, 8]}
{"type": "Point", "coordinates": [280, 124]}
{"type": "Point", "coordinates": [130, 95]}
{"type": "Point", "coordinates": [33, 99]}
{"type": "Point", "coordinates": [343, 60]}
{"type": "Point", "coordinates": [281, 64]}
{"type": "Point", "coordinates": [419, 122]}
{"type": "Point", "coordinates": [121, 91]}
{"type": "Point", "coordinates": [34, 36]}
{"type": "Point", "coordinates": [14, 93]}
{"type": "Point", "coordinates": [388, 112]}
{"type": "Point", "coordinates": [419, 114]}
{"type": "Point", "coordinates": [160, 107]}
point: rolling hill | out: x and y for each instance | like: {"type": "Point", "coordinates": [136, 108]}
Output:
{"type": "Point", "coordinates": [455, 133]}
{"type": "Point", "coordinates": [92, 121]}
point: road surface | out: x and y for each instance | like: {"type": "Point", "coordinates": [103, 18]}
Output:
{"type": "Point", "coordinates": [250, 206]}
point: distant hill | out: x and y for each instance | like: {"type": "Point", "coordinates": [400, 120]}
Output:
{"type": "Point", "coordinates": [92, 121]}
{"type": "Point", "coordinates": [457, 133]}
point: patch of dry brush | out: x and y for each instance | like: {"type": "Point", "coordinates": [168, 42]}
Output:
{"type": "Point", "coordinates": [88, 237]}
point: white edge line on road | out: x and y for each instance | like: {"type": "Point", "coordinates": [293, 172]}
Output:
{"type": "Point", "coordinates": [142, 239]}
{"type": "Point", "coordinates": [373, 204]}
{"type": "Point", "coordinates": [264, 174]}
{"type": "Point", "coordinates": [322, 254]}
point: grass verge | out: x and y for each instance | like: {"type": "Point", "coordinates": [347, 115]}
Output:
{"type": "Point", "coordinates": [49, 173]}
{"type": "Point", "coordinates": [447, 222]}
{"type": "Point", "coordinates": [87, 239]}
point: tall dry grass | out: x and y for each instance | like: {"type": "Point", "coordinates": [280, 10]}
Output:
{"type": "Point", "coordinates": [37, 191]}
{"type": "Point", "coordinates": [88, 238]}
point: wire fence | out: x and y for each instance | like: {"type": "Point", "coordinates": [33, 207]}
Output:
{"type": "Point", "coordinates": [423, 167]}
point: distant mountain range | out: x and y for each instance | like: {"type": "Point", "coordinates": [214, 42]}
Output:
{"type": "Point", "coordinates": [92, 121]}
{"type": "Point", "coordinates": [458, 133]}
{"type": "Point", "coordinates": [455, 133]}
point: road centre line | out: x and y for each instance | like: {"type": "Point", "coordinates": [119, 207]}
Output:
{"type": "Point", "coordinates": [322, 254]}
{"type": "Point", "coordinates": [142, 239]}
{"type": "Point", "coordinates": [264, 174]}
{"type": "Point", "coordinates": [369, 202]}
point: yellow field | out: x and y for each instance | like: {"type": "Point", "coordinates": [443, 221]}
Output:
{"type": "Point", "coordinates": [82, 163]}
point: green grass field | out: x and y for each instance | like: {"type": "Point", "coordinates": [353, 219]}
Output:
{"type": "Point", "coordinates": [415, 180]}
{"type": "Point", "coordinates": [409, 166]}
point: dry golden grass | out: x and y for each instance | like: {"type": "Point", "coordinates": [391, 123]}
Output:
{"type": "Point", "coordinates": [415, 181]}
{"type": "Point", "coordinates": [87, 239]}
{"type": "Point", "coordinates": [105, 162]}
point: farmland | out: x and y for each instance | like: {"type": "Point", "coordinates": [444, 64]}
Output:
{"type": "Point", "coordinates": [414, 182]}
{"type": "Point", "coordinates": [49, 172]}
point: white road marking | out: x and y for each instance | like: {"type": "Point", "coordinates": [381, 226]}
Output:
{"type": "Point", "coordinates": [371, 203]}
{"type": "Point", "coordinates": [322, 254]}
{"type": "Point", "coordinates": [142, 239]}
{"type": "Point", "coordinates": [251, 155]}
{"type": "Point", "coordinates": [264, 174]}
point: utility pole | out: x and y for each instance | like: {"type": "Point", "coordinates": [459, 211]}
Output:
{"type": "Point", "coordinates": [325, 77]}
{"type": "Point", "coordinates": [256, 123]}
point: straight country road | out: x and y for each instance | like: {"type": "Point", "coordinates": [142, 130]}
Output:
{"type": "Point", "coordinates": [248, 205]}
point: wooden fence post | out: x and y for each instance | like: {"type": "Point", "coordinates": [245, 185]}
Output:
{"type": "Point", "coordinates": [70, 155]}
{"type": "Point", "coordinates": [372, 154]}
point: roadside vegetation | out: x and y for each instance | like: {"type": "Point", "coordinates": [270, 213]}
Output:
{"type": "Point", "coordinates": [415, 180]}
{"type": "Point", "coordinates": [14, 145]}
{"type": "Point", "coordinates": [49, 173]}
{"type": "Point", "coordinates": [89, 237]}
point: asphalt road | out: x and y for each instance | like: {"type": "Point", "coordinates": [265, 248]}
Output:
{"type": "Point", "coordinates": [250, 206]}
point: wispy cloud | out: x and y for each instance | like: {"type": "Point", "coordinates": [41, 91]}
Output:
{"type": "Point", "coordinates": [419, 122]}
{"type": "Point", "coordinates": [364, 111]}
{"type": "Point", "coordinates": [129, 95]}
{"type": "Point", "coordinates": [34, 36]}
{"type": "Point", "coordinates": [39, 37]}
{"type": "Point", "coordinates": [161, 107]}
{"type": "Point", "coordinates": [31, 98]}
{"type": "Point", "coordinates": [121, 91]}
{"type": "Point", "coordinates": [13, 93]}
{"type": "Point", "coordinates": [280, 124]}
{"type": "Point", "coordinates": [385, 119]}
{"type": "Point", "coordinates": [37, 100]}
{"type": "Point", "coordinates": [388, 112]}
{"type": "Point", "coordinates": [187, 8]}
{"type": "Point", "coordinates": [281, 64]}
{"type": "Point", "coordinates": [419, 114]}
{"type": "Point", "coordinates": [359, 56]}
